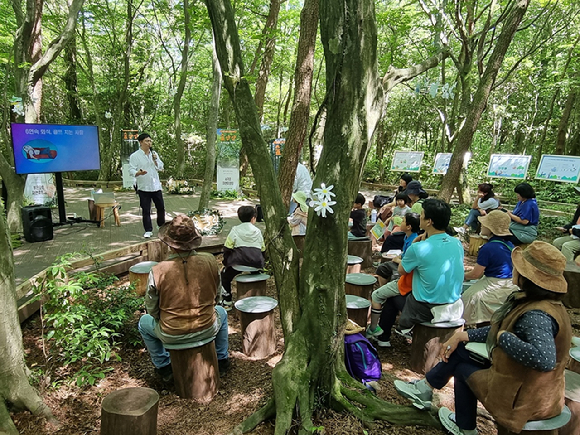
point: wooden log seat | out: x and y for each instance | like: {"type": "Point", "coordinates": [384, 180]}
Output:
{"type": "Point", "coordinates": [139, 274]}
{"type": "Point", "coordinates": [550, 426]}
{"type": "Point", "coordinates": [573, 403]}
{"type": "Point", "coordinates": [572, 275]}
{"type": "Point", "coordinates": [475, 242]}
{"type": "Point", "coordinates": [427, 338]}
{"type": "Point", "coordinates": [574, 363]}
{"type": "Point", "coordinates": [245, 269]}
{"type": "Point", "coordinates": [358, 309]}
{"type": "Point", "coordinates": [257, 323]}
{"type": "Point", "coordinates": [130, 411]}
{"type": "Point", "coordinates": [195, 372]}
{"type": "Point", "coordinates": [101, 210]}
{"type": "Point", "coordinates": [353, 264]}
{"type": "Point", "coordinates": [359, 284]}
{"type": "Point", "coordinates": [251, 285]}
{"type": "Point", "coordinates": [362, 247]}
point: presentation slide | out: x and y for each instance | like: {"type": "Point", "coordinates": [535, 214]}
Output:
{"type": "Point", "coordinates": [508, 166]}
{"type": "Point", "coordinates": [559, 168]}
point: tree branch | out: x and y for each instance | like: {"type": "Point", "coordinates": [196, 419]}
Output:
{"type": "Point", "coordinates": [394, 76]}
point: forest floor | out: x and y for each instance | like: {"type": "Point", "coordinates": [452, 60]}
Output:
{"type": "Point", "coordinates": [244, 389]}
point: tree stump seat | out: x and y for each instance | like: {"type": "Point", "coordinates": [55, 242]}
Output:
{"type": "Point", "coordinates": [139, 274]}
{"type": "Point", "coordinates": [251, 285]}
{"type": "Point", "coordinates": [362, 247]}
{"type": "Point", "coordinates": [257, 324]}
{"type": "Point", "coordinates": [353, 264]}
{"type": "Point", "coordinates": [358, 309]}
{"type": "Point", "coordinates": [572, 395]}
{"type": "Point", "coordinates": [195, 372]}
{"type": "Point", "coordinates": [574, 363]}
{"type": "Point", "coordinates": [245, 269]}
{"type": "Point", "coordinates": [130, 411]}
{"type": "Point", "coordinates": [549, 426]}
{"type": "Point", "coordinates": [475, 242]}
{"type": "Point", "coordinates": [572, 276]}
{"type": "Point", "coordinates": [427, 338]}
{"type": "Point", "coordinates": [359, 284]}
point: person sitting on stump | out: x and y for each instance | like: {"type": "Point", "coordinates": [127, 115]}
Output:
{"type": "Point", "coordinates": [181, 300]}
{"type": "Point", "coordinates": [529, 340]}
{"type": "Point", "coordinates": [569, 244]}
{"type": "Point", "coordinates": [359, 218]}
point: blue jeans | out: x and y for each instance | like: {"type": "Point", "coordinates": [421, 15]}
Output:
{"type": "Point", "coordinates": [159, 354]}
{"type": "Point", "coordinates": [471, 219]}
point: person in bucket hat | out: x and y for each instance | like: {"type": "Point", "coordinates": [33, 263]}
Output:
{"type": "Point", "coordinates": [528, 343]}
{"type": "Point", "coordinates": [181, 300]}
{"type": "Point", "coordinates": [299, 218]}
{"type": "Point", "coordinates": [493, 270]}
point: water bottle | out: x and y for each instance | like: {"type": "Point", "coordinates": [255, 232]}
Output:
{"type": "Point", "coordinates": [373, 216]}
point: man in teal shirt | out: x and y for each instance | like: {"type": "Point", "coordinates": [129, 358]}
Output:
{"type": "Point", "coordinates": [436, 263]}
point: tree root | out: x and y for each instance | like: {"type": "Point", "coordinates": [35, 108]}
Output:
{"type": "Point", "coordinates": [6, 425]}
{"type": "Point", "coordinates": [266, 412]}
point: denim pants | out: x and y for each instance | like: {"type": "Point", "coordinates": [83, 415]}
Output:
{"type": "Point", "coordinates": [159, 354]}
{"type": "Point", "coordinates": [471, 219]}
{"type": "Point", "coordinates": [460, 366]}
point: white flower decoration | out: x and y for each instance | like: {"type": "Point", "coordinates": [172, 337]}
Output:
{"type": "Point", "coordinates": [324, 192]}
{"type": "Point", "coordinates": [323, 206]}
{"type": "Point", "coordinates": [108, 115]}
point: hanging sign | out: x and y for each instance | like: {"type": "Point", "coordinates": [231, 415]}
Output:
{"type": "Point", "coordinates": [508, 166]}
{"type": "Point", "coordinates": [228, 159]}
{"type": "Point", "coordinates": [441, 163]}
{"type": "Point", "coordinates": [559, 168]}
{"type": "Point", "coordinates": [407, 161]}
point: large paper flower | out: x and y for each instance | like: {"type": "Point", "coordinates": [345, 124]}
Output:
{"type": "Point", "coordinates": [323, 206]}
{"type": "Point", "coordinates": [324, 193]}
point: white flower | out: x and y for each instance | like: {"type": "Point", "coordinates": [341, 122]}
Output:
{"type": "Point", "coordinates": [324, 193]}
{"type": "Point", "coordinates": [108, 115]}
{"type": "Point", "coordinates": [322, 206]}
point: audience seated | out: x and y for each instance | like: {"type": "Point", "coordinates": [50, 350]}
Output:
{"type": "Point", "coordinates": [525, 216]}
{"type": "Point", "coordinates": [359, 218]}
{"type": "Point", "coordinates": [484, 202]}
{"type": "Point", "coordinates": [394, 221]}
{"type": "Point", "coordinates": [299, 218]}
{"type": "Point", "coordinates": [570, 243]}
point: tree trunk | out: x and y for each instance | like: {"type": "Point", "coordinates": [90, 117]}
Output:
{"type": "Point", "coordinates": [14, 385]}
{"type": "Point", "coordinates": [563, 125]}
{"type": "Point", "coordinates": [465, 134]}
{"type": "Point", "coordinates": [313, 309]}
{"type": "Point", "coordinates": [212, 121]}
{"type": "Point", "coordinates": [71, 82]}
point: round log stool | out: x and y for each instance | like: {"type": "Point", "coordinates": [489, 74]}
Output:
{"type": "Point", "coordinates": [251, 285]}
{"type": "Point", "coordinates": [130, 411]}
{"type": "Point", "coordinates": [245, 269]}
{"type": "Point", "coordinates": [475, 242]}
{"type": "Point", "coordinates": [358, 309]}
{"type": "Point", "coordinates": [573, 403]}
{"type": "Point", "coordinates": [427, 338]}
{"type": "Point", "coordinates": [359, 284]}
{"type": "Point", "coordinates": [572, 276]}
{"type": "Point", "coordinates": [549, 426]}
{"type": "Point", "coordinates": [257, 322]}
{"type": "Point", "coordinates": [353, 264]}
{"type": "Point", "coordinates": [362, 247]}
{"type": "Point", "coordinates": [139, 274]}
{"type": "Point", "coordinates": [195, 372]}
{"type": "Point", "coordinates": [574, 363]}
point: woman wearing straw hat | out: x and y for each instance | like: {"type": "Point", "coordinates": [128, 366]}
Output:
{"type": "Point", "coordinates": [528, 340]}
{"type": "Point", "coordinates": [493, 270]}
{"type": "Point", "coordinates": [299, 218]}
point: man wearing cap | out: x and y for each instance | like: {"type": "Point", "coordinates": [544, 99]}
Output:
{"type": "Point", "coordinates": [181, 300]}
{"type": "Point", "coordinates": [144, 165]}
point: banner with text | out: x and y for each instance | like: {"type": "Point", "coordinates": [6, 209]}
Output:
{"type": "Point", "coordinates": [229, 144]}
{"type": "Point", "coordinates": [441, 164]}
{"type": "Point", "coordinates": [559, 168]}
{"type": "Point", "coordinates": [508, 166]}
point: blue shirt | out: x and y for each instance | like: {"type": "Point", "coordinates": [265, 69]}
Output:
{"type": "Point", "coordinates": [438, 269]}
{"type": "Point", "coordinates": [528, 210]}
{"type": "Point", "coordinates": [407, 242]}
{"type": "Point", "coordinates": [496, 257]}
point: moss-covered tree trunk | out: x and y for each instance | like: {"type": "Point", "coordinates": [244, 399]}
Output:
{"type": "Point", "coordinates": [313, 313]}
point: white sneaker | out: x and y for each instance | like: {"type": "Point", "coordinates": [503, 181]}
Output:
{"type": "Point", "coordinates": [459, 230]}
{"type": "Point", "coordinates": [381, 343]}
{"type": "Point", "coordinates": [148, 234]}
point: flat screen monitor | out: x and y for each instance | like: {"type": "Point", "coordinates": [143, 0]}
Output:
{"type": "Point", "coordinates": [49, 148]}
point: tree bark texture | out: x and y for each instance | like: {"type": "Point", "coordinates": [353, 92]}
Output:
{"type": "Point", "coordinates": [564, 120]}
{"type": "Point", "coordinates": [477, 105]}
{"type": "Point", "coordinates": [312, 302]}
{"type": "Point", "coordinates": [179, 142]}
{"type": "Point", "coordinates": [14, 385]}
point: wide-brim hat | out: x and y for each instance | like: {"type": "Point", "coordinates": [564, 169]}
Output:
{"type": "Point", "coordinates": [300, 198]}
{"type": "Point", "coordinates": [543, 264]}
{"type": "Point", "coordinates": [414, 188]}
{"type": "Point", "coordinates": [180, 233]}
{"type": "Point", "coordinates": [497, 221]}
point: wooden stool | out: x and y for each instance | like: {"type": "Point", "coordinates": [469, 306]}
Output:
{"type": "Point", "coordinates": [475, 242]}
{"type": "Point", "coordinates": [572, 275]}
{"type": "Point", "coordinates": [427, 338]}
{"type": "Point", "coordinates": [130, 411]}
{"type": "Point", "coordinates": [362, 247]}
{"type": "Point", "coordinates": [353, 264]}
{"type": "Point", "coordinates": [574, 363]}
{"type": "Point", "coordinates": [573, 403]}
{"type": "Point", "coordinates": [257, 321]}
{"type": "Point", "coordinates": [358, 309]}
{"type": "Point", "coordinates": [359, 284]}
{"type": "Point", "coordinates": [251, 285]}
{"type": "Point", "coordinates": [101, 213]}
{"type": "Point", "coordinates": [549, 426]}
{"type": "Point", "coordinates": [139, 274]}
{"type": "Point", "coordinates": [245, 269]}
{"type": "Point", "coordinates": [195, 372]}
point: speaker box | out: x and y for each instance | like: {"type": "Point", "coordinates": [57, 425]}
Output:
{"type": "Point", "coordinates": [37, 222]}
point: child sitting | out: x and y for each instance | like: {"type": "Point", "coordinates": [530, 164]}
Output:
{"type": "Point", "coordinates": [399, 212]}
{"type": "Point", "coordinates": [359, 218]}
{"type": "Point", "coordinates": [410, 226]}
{"type": "Point", "coordinates": [244, 246]}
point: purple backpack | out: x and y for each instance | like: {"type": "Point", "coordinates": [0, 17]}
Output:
{"type": "Point", "coordinates": [361, 358]}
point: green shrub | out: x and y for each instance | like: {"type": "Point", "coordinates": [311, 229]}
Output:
{"type": "Point", "coordinates": [226, 194]}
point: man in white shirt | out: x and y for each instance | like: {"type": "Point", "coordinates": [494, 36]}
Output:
{"type": "Point", "coordinates": [144, 165]}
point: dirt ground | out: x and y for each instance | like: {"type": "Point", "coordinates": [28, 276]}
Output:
{"type": "Point", "coordinates": [244, 389]}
